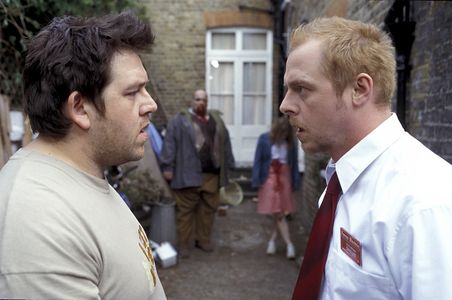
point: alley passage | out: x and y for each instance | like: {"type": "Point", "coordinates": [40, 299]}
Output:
{"type": "Point", "coordinates": [238, 268]}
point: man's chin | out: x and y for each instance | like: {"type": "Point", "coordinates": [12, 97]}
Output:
{"type": "Point", "coordinates": [309, 148]}
{"type": "Point", "coordinates": [135, 155]}
{"type": "Point", "coordinates": [138, 155]}
{"type": "Point", "coordinates": [201, 112]}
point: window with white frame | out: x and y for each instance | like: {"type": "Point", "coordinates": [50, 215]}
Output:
{"type": "Point", "coordinates": [239, 80]}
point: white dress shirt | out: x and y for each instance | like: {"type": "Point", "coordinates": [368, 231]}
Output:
{"type": "Point", "coordinates": [395, 215]}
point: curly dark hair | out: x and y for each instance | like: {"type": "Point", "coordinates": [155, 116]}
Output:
{"type": "Point", "coordinates": [74, 54]}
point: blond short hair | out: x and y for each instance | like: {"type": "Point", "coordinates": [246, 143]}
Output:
{"type": "Point", "coordinates": [350, 48]}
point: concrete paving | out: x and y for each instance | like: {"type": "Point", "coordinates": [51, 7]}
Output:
{"type": "Point", "coordinates": [239, 267]}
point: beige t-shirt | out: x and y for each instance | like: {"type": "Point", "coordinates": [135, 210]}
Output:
{"type": "Point", "coordinates": [65, 234]}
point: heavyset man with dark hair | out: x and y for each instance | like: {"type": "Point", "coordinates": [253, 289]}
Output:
{"type": "Point", "coordinates": [64, 231]}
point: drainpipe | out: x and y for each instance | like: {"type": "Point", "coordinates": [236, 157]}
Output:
{"type": "Point", "coordinates": [399, 24]}
{"type": "Point", "coordinates": [279, 30]}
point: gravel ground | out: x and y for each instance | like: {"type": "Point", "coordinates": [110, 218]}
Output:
{"type": "Point", "coordinates": [238, 268]}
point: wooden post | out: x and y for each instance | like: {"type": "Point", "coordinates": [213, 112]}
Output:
{"type": "Point", "coordinates": [5, 129]}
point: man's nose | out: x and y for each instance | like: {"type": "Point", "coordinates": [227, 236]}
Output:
{"type": "Point", "coordinates": [284, 107]}
{"type": "Point", "coordinates": [149, 106]}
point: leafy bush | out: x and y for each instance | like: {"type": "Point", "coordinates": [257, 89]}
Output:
{"type": "Point", "coordinates": [21, 19]}
{"type": "Point", "coordinates": [141, 189]}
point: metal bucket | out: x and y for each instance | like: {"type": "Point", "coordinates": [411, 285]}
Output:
{"type": "Point", "coordinates": [163, 223]}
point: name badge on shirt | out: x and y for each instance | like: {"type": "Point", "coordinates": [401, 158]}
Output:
{"type": "Point", "coordinates": [351, 246]}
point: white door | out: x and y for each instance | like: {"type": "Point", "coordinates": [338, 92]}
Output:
{"type": "Point", "coordinates": [239, 84]}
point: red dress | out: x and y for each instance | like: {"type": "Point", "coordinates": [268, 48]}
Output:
{"type": "Point", "coordinates": [275, 195]}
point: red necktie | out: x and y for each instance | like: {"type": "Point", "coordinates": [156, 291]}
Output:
{"type": "Point", "coordinates": [311, 273]}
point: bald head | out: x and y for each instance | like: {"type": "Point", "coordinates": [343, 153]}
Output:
{"type": "Point", "coordinates": [199, 103]}
{"type": "Point", "coordinates": [200, 94]}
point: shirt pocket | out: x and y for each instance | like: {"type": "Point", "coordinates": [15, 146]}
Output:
{"type": "Point", "coordinates": [346, 280]}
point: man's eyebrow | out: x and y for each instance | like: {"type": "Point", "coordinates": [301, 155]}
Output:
{"type": "Point", "coordinates": [298, 82]}
{"type": "Point", "coordinates": [294, 82]}
{"type": "Point", "coordinates": [137, 84]}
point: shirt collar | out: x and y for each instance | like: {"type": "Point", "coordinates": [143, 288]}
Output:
{"type": "Point", "coordinates": [350, 166]}
{"type": "Point", "coordinates": [330, 169]}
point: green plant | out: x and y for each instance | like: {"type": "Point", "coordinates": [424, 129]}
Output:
{"type": "Point", "coordinates": [141, 188]}
{"type": "Point", "coordinates": [21, 19]}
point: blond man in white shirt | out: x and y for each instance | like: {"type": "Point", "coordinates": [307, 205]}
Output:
{"type": "Point", "coordinates": [394, 205]}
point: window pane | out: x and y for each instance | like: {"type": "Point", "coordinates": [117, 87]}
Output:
{"type": "Point", "coordinates": [254, 93]}
{"type": "Point", "coordinates": [253, 110]}
{"type": "Point", "coordinates": [225, 104]}
{"type": "Point", "coordinates": [222, 89]}
{"type": "Point", "coordinates": [223, 41]}
{"type": "Point", "coordinates": [222, 77]}
{"type": "Point", "coordinates": [254, 41]}
{"type": "Point", "coordinates": [254, 77]}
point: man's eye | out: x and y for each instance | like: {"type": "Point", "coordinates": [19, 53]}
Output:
{"type": "Point", "coordinates": [298, 89]}
{"type": "Point", "coordinates": [132, 93]}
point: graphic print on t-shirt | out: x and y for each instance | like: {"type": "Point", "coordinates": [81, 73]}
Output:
{"type": "Point", "coordinates": [149, 263]}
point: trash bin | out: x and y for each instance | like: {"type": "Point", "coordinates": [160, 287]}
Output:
{"type": "Point", "coordinates": [163, 222]}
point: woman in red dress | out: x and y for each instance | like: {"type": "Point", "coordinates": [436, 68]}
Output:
{"type": "Point", "coordinates": [275, 174]}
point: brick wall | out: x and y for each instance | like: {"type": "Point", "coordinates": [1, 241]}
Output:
{"type": "Point", "coordinates": [429, 107]}
{"type": "Point", "coordinates": [312, 186]}
{"type": "Point", "coordinates": [176, 65]}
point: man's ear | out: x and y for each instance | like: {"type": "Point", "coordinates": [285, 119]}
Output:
{"type": "Point", "coordinates": [362, 89]}
{"type": "Point", "coordinates": [76, 108]}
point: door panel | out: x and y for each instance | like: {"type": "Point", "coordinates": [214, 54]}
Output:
{"type": "Point", "coordinates": [239, 84]}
